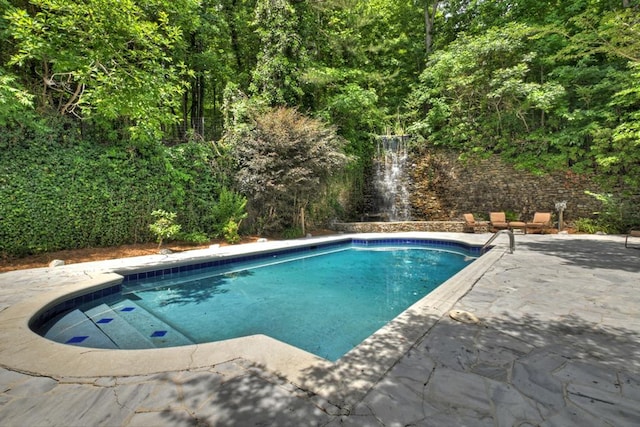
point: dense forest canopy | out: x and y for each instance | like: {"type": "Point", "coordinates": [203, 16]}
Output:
{"type": "Point", "coordinates": [151, 95]}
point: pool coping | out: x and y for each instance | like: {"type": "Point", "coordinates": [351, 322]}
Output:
{"type": "Point", "coordinates": [345, 380]}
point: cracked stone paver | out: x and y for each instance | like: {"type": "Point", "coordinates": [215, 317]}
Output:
{"type": "Point", "coordinates": [558, 344]}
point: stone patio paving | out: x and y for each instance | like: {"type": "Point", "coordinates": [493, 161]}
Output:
{"type": "Point", "coordinates": [558, 344]}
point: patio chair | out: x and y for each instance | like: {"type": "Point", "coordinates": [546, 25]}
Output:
{"type": "Point", "coordinates": [518, 225]}
{"type": "Point", "coordinates": [541, 221]}
{"type": "Point", "coordinates": [471, 225]}
{"type": "Point", "coordinates": [632, 233]}
{"type": "Point", "coordinates": [498, 221]}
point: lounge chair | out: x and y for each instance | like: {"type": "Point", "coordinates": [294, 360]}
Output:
{"type": "Point", "coordinates": [632, 233]}
{"type": "Point", "coordinates": [518, 225]}
{"type": "Point", "coordinates": [541, 221]}
{"type": "Point", "coordinates": [498, 221]}
{"type": "Point", "coordinates": [471, 225]}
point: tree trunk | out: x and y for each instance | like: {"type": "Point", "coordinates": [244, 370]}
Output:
{"type": "Point", "coordinates": [428, 21]}
{"type": "Point", "coordinates": [233, 32]}
{"type": "Point", "coordinates": [197, 105]}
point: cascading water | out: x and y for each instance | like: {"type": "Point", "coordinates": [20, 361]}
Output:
{"type": "Point", "coordinates": [391, 180]}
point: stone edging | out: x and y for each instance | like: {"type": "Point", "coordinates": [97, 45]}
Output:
{"type": "Point", "coordinates": [390, 227]}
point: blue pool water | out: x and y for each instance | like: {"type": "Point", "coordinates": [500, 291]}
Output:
{"type": "Point", "coordinates": [325, 301]}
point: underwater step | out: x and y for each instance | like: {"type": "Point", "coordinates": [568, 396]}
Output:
{"type": "Point", "coordinates": [158, 332]}
{"type": "Point", "coordinates": [117, 328]}
{"type": "Point", "coordinates": [77, 329]}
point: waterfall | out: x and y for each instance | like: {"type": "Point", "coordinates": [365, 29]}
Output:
{"type": "Point", "coordinates": [391, 179]}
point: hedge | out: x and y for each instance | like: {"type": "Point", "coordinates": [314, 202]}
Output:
{"type": "Point", "coordinates": [60, 193]}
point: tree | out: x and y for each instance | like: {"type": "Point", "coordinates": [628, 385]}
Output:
{"type": "Point", "coordinates": [15, 101]}
{"type": "Point", "coordinates": [612, 41]}
{"type": "Point", "coordinates": [164, 227]}
{"type": "Point", "coordinates": [219, 46]}
{"type": "Point", "coordinates": [281, 58]}
{"type": "Point", "coordinates": [100, 60]}
{"type": "Point", "coordinates": [480, 95]}
{"type": "Point", "coordinates": [430, 10]}
{"type": "Point", "coordinates": [284, 162]}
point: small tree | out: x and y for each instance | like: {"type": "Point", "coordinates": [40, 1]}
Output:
{"type": "Point", "coordinates": [164, 227]}
{"type": "Point", "coordinates": [285, 161]}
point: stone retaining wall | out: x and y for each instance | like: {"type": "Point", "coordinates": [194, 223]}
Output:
{"type": "Point", "coordinates": [390, 227]}
{"type": "Point", "coordinates": [445, 187]}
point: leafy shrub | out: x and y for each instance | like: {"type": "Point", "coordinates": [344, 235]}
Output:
{"type": "Point", "coordinates": [285, 161]}
{"type": "Point", "coordinates": [292, 233]}
{"type": "Point", "coordinates": [230, 208]}
{"type": "Point", "coordinates": [511, 216]}
{"type": "Point", "coordinates": [618, 213]}
{"type": "Point", "coordinates": [164, 227]}
{"type": "Point", "coordinates": [230, 231]}
{"type": "Point", "coordinates": [587, 225]}
{"type": "Point", "coordinates": [194, 238]}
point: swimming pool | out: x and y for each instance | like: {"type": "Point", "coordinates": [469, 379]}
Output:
{"type": "Point", "coordinates": [290, 295]}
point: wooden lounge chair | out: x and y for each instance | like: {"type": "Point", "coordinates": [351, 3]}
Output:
{"type": "Point", "coordinates": [471, 225]}
{"type": "Point", "coordinates": [498, 221]}
{"type": "Point", "coordinates": [632, 233]}
{"type": "Point", "coordinates": [541, 221]}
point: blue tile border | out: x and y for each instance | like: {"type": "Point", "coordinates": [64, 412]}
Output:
{"type": "Point", "coordinates": [434, 243]}
{"type": "Point", "coordinates": [72, 303]}
{"type": "Point", "coordinates": [231, 260]}
{"type": "Point", "coordinates": [37, 321]}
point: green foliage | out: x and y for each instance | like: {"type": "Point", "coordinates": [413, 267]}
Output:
{"type": "Point", "coordinates": [60, 193]}
{"type": "Point", "coordinates": [195, 177]}
{"type": "Point", "coordinates": [511, 216]}
{"type": "Point", "coordinates": [164, 227]}
{"type": "Point", "coordinates": [479, 96]}
{"type": "Point", "coordinates": [194, 237]}
{"type": "Point", "coordinates": [548, 91]}
{"type": "Point", "coordinates": [355, 113]}
{"type": "Point", "coordinates": [292, 233]}
{"type": "Point", "coordinates": [275, 78]}
{"type": "Point", "coordinates": [15, 101]}
{"type": "Point", "coordinates": [588, 225]}
{"type": "Point", "coordinates": [100, 59]}
{"type": "Point", "coordinates": [548, 85]}
{"type": "Point", "coordinates": [618, 214]}
{"type": "Point", "coordinates": [230, 231]}
{"type": "Point", "coordinates": [230, 208]}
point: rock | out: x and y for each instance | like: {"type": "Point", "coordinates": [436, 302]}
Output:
{"type": "Point", "coordinates": [56, 263]}
{"type": "Point", "coordinates": [463, 316]}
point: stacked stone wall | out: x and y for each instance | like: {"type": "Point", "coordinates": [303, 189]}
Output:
{"type": "Point", "coordinates": [390, 227]}
{"type": "Point", "coordinates": [445, 187]}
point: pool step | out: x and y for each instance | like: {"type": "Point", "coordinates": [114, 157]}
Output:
{"type": "Point", "coordinates": [121, 332]}
{"type": "Point", "coordinates": [158, 332]}
{"type": "Point", "coordinates": [77, 329]}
